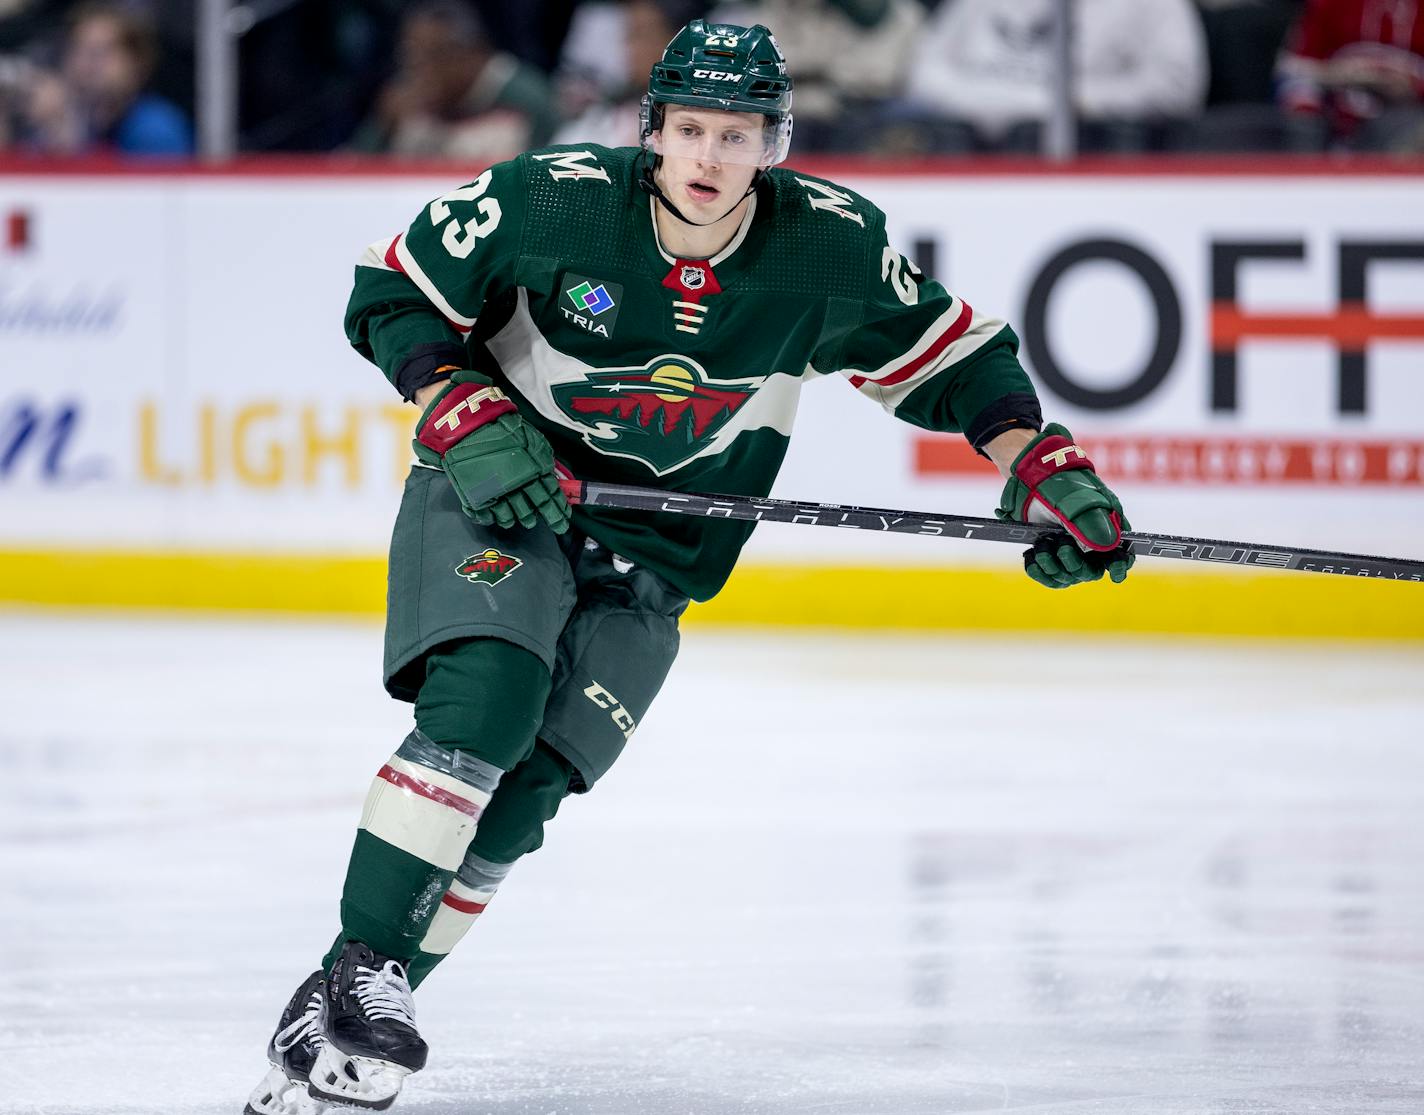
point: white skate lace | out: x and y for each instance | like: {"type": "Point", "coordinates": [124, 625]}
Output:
{"type": "Point", "coordinates": [303, 1027]}
{"type": "Point", "coordinates": [385, 993]}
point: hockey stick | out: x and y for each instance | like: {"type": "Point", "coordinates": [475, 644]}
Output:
{"type": "Point", "coordinates": [627, 497]}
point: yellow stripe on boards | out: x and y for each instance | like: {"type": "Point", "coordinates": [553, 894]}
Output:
{"type": "Point", "coordinates": [1150, 601]}
{"type": "Point", "coordinates": [302, 583]}
{"type": "Point", "coordinates": [1156, 599]}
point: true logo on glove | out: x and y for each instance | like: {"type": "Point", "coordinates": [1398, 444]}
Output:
{"type": "Point", "coordinates": [1059, 457]}
{"type": "Point", "coordinates": [465, 407]}
{"type": "Point", "coordinates": [450, 420]}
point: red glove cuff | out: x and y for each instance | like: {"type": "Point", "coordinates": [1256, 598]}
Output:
{"type": "Point", "coordinates": [459, 412]}
{"type": "Point", "coordinates": [1052, 455]}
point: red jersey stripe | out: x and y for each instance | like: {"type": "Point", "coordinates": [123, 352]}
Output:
{"type": "Point", "coordinates": [427, 790]}
{"type": "Point", "coordinates": [947, 338]}
{"type": "Point", "coordinates": [393, 262]}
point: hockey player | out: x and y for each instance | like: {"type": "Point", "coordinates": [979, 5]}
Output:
{"type": "Point", "coordinates": [645, 316]}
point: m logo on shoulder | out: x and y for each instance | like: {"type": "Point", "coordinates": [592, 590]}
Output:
{"type": "Point", "coordinates": [822, 196]}
{"type": "Point", "coordinates": [570, 164]}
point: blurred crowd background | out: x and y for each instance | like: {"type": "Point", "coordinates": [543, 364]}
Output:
{"type": "Point", "coordinates": [879, 78]}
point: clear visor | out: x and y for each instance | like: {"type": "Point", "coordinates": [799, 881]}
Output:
{"type": "Point", "coordinates": [742, 139]}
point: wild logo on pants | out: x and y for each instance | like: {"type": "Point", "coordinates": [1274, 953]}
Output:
{"type": "Point", "coordinates": [488, 568]}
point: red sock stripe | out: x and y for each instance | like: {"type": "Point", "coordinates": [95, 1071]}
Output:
{"type": "Point", "coordinates": [463, 906]}
{"type": "Point", "coordinates": [434, 793]}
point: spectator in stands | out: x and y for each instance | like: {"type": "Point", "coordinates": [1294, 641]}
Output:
{"type": "Point", "coordinates": [99, 100]}
{"type": "Point", "coordinates": [990, 63]}
{"type": "Point", "coordinates": [1360, 65]}
{"type": "Point", "coordinates": [454, 95]}
{"type": "Point", "coordinates": [644, 28]}
{"type": "Point", "coordinates": [531, 30]}
{"type": "Point", "coordinates": [1243, 39]}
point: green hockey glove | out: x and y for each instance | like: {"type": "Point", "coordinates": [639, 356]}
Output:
{"type": "Point", "coordinates": [1052, 481]}
{"type": "Point", "coordinates": [502, 467]}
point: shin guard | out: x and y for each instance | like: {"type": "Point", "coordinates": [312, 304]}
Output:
{"type": "Point", "coordinates": [419, 818]}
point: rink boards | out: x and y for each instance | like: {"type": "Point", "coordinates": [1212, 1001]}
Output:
{"type": "Point", "coordinates": [183, 424]}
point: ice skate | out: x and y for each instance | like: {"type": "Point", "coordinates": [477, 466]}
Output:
{"type": "Point", "coordinates": [371, 1044]}
{"type": "Point", "coordinates": [292, 1050]}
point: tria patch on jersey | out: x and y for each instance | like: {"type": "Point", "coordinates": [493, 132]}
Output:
{"type": "Point", "coordinates": [663, 413]}
{"type": "Point", "coordinates": [589, 304]}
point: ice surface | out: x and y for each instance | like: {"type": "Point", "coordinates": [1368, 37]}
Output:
{"type": "Point", "coordinates": [833, 875]}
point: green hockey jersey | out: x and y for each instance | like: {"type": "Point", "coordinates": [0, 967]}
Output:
{"type": "Point", "coordinates": [547, 274]}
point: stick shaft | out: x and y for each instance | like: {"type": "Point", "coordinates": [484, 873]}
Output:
{"type": "Point", "coordinates": [1143, 544]}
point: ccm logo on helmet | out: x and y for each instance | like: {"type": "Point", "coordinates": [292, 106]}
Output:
{"type": "Point", "coordinates": [716, 75]}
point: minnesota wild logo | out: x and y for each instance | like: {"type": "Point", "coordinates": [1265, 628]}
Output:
{"type": "Point", "coordinates": [488, 567]}
{"type": "Point", "coordinates": [662, 414]}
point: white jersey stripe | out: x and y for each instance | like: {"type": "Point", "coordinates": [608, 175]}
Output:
{"type": "Point", "coordinates": [375, 255]}
{"type": "Point", "coordinates": [927, 338]}
{"type": "Point", "coordinates": [416, 275]}
{"type": "Point", "coordinates": [894, 392]}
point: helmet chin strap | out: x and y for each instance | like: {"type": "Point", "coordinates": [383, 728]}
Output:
{"type": "Point", "coordinates": [650, 186]}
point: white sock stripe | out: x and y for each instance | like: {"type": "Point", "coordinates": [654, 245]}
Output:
{"type": "Point", "coordinates": [415, 824]}
{"type": "Point", "coordinates": [446, 929]}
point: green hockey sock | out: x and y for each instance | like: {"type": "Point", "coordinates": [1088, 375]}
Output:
{"type": "Point", "coordinates": [417, 824]}
{"type": "Point", "coordinates": [512, 825]}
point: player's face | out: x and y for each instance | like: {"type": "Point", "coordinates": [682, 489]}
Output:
{"type": "Point", "coordinates": [709, 157]}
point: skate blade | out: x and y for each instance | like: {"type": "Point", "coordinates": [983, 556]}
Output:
{"type": "Point", "coordinates": [277, 1095]}
{"type": "Point", "coordinates": [355, 1081]}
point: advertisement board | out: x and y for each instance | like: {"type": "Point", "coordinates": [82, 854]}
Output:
{"type": "Point", "coordinates": [1242, 355]}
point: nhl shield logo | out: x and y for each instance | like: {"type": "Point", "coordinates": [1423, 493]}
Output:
{"type": "Point", "coordinates": [694, 278]}
{"type": "Point", "coordinates": [489, 567]}
{"type": "Point", "coordinates": [663, 414]}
